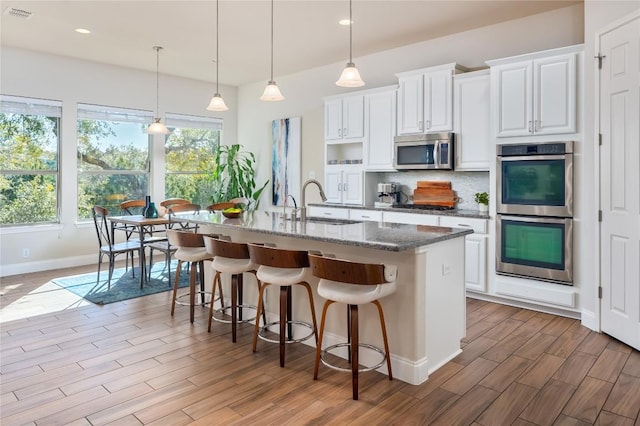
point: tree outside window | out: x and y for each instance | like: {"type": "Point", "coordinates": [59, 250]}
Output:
{"type": "Point", "coordinates": [29, 146]}
{"type": "Point", "coordinates": [190, 157]}
{"type": "Point", "coordinates": [113, 157]}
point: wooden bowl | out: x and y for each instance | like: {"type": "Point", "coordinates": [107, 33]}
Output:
{"type": "Point", "coordinates": [231, 215]}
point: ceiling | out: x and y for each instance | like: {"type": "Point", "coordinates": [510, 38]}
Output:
{"type": "Point", "coordinates": [306, 32]}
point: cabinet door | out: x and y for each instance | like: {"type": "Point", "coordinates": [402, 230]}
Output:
{"type": "Point", "coordinates": [333, 119]}
{"type": "Point", "coordinates": [438, 101]}
{"type": "Point", "coordinates": [352, 187]}
{"type": "Point", "coordinates": [333, 184]}
{"type": "Point", "coordinates": [512, 85]}
{"type": "Point", "coordinates": [353, 117]}
{"type": "Point", "coordinates": [554, 88]}
{"type": "Point", "coordinates": [380, 122]}
{"type": "Point", "coordinates": [471, 122]}
{"type": "Point", "coordinates": [372, 215]}
{"type": "Point", "coordinates": [475, 262]}
{"type": "Point", "coordinates": [410, 218]}
{"type": "Point", "coordinates": [410, 112]}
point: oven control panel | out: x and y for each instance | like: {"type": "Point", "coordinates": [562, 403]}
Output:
{"type": "Point", "coordinates": [548, 148]}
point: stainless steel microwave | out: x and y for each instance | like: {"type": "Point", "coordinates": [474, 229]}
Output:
{"type": "Point", "coordinates": [423, 151]}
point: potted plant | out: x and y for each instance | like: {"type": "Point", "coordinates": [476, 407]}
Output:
{"type": "Point", "coordinates": [482, 198]}
{"type": "Point", "coordinates": [234, 176]}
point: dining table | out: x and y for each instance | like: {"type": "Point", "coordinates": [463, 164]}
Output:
{"type": "Point", "coordinates": [144, 227]}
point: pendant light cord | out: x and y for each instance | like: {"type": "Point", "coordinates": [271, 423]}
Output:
{"type": "Point", "coordinates": [217, 43]}
{"type": "Point", "coordinates": [350, 33]}
{"type": "Point", "coordinates": [271, 40]}
{"type": "Point", "coordinates": [157, 49]}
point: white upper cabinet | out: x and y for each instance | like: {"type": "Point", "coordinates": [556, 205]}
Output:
{"type": "Point", "coordinates": [380, 128]}
{"type": "Point", "coordinates": [471, 121]}
{"type": "Point", "coordinates": [344, 118]}
{"type": "Point", "coordinates": [425, 99]}
{"type": "Point", "coordinates": [535, 94]}
{"type": "Point", "coordinates": [344, 184]}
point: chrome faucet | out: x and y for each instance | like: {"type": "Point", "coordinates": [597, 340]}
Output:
{"type": "Point", "coordinates": [284, 208]}
{"type": "Point", "coordinates": [303, 209]}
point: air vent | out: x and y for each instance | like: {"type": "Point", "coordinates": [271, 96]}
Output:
{"type": "Point", "coordinates": [18, 13]}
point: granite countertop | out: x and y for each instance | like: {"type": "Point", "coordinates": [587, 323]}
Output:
{"type": "Point", "coordinates": [451, 212]}
{"type": "Point", "coordinates": [375, 235]}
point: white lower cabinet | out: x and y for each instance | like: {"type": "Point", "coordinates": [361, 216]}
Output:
{"type": "Point", "coordinates": [330, 212]}
{"type": "Point", "coordinates": [358, 214]}
{"type": "Point", "coordinates": [475, 250]}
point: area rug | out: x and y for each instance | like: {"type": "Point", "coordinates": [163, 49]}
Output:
{"type": "Point", "coordinates": [123, 284]}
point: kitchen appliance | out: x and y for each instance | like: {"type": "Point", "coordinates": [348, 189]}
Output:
{"type": "Point", "coordinates": [423, 151]}
{"type": "Point", "coordinates": [539, 247]}
{"type": "Point", "coordinates": [534, 203]}
{"type": "Point", "coordinates": [535, 179]}
{"type": "Point", "coordinates": [388, 193]}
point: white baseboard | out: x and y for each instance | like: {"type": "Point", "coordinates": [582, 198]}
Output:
{"type": "Point", "coordinates": [46, 265]}
{"type": "Point", "coordinates": [589, 320]}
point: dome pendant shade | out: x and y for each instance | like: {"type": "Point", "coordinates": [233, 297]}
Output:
{"type": "Point", "coordinates": [217, 103]}
{"type": "Point", "coordinates": [350, 77]}
{"type": "Point", "coordinates": [157, 128]}
{"type": "Point", "coordinates": [271, 92]}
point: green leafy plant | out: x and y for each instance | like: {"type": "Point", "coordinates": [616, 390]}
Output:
{"type": "Point", "coordinates": [481, 198]}
{"type": "Point", "coordinates": [233, 176]}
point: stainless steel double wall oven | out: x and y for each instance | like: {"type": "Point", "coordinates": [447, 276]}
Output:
{"type": "Point", "coordinates": [535, 211]}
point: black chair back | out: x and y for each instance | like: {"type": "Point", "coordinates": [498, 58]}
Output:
{"type": "Point", "coordinates": [103, 230]}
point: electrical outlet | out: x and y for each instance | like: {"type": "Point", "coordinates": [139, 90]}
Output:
{"type": "Point", "coordinates": [26, 252]}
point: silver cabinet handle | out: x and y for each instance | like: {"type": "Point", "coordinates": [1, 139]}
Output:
{"type": "Point", "coordinates": [530, 127]}
{"type": "Point", "coordinates": [365, 216]}
{"type": "Point", "coordinates": [345, 132]}
{"type": "Point", "coordinates": [340, 186]}
{"type": "Point", "coordinates": [340, 132]}
{"type": "Point", "coordinates": [428, 124]}
{"type": "Point", "coordinates": [420, 125]}
{"type": "Point", "coordinates": [536, 125]}
{"type": "Point", "coordinates": [464, 225]}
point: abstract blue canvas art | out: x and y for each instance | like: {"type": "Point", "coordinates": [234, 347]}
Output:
{"type": "Point", "coordinates": [285, 161]}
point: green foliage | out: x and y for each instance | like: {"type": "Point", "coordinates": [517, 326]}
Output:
{"type": "Point", "coordinates": [481, 198]}
{"type": "Point", "coordinates": [233, 176]}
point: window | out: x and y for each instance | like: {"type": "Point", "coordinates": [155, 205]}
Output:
{"type": "Point", "coordinates": [29, 146]}
{"type": "Point", "coordinates": [190, 157]}
{"type": "Point", "coordinates": [113, 157]}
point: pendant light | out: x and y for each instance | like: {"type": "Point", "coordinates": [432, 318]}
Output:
{"type": "Point", "coordinates": [217, 103]}
{"type": "Point", "coordinates": [157, 128]}
{"type": "Point", "coordinates": [350, 76]}
{"type": "Point", "coordinates": [271, 92]}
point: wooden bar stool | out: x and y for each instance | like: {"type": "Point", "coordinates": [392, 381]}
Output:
{"type": "Point", "coordinates": [190, 248]}
{"type": "Point", "coordinates": [354, 284]}
{"type": "Point", "coordinates": [282, 268]}
{"type": "Point", "coordinates": [230, 258]}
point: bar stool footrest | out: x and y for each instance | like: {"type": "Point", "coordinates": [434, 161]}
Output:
{"type": "Point", "coordinates": [348, 345]}
{"type": "Point", "coordinates": [265, 328]}
{"type": "Point", "coordinates": [198, 293]}
{"type": "Point", "coordinates": [226, 308]}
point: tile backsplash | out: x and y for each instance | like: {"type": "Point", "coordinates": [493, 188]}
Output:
{"type": "Point", "coordinates": [466, 184]}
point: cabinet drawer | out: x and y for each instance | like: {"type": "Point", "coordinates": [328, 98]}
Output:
{"type": "Point", "coordinates": [336, 213]}
{"type": "Point", "coordinates": [410, 218]}
{"type": "Point", "coordinates": [357, 214]}
{"type": "Point", "coordinates": [479, 226]}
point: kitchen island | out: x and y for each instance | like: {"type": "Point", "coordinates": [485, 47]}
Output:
{"type": "Point", "coordinates": [426, 315]}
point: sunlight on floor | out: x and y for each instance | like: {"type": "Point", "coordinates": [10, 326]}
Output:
{"type": "Point", "coordinates": [45, 299]}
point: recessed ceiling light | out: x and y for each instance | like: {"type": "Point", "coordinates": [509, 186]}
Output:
{"type": "Point", "coordinates": [82, 31]}
{"type": "Point", "coordinates": [345, 22]}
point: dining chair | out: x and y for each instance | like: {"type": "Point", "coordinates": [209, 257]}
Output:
{"type": "Point", "coordinates": [131, 207]}
{"type": "Point", "coordinates": [170, 202]}
{"type": "Point", "coordinates": [107, 246]}
{"type": "Point", "coordinates": [183, 208]}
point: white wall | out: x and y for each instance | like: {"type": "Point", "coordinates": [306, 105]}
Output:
{"type": "Point", "coordinates": [31, 74]}
{"type": "Point", "coordinates": [597, 14]}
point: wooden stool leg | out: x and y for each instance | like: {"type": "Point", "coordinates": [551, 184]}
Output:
{"type": "Point", "coordinates": [316, 366]}
{"type": "Point", "coordinates": [284, 290]}
{"type": "Point", "coordinates": [384, 337]}
{"type": "Point", "coordinates": [216, 280]}
{"type": "Point", "coordinates": [192, 291]}
{"type": "Point", "coordinates": [234, 306]}
{"type": "Point", "coordinates": [260, 309]}
{"type": "Point", "coordinates": [313, 309]}
{"type": "Point", "coordinates": [175, 287]}
{"type": "Point", "coordinates": [354, 349]}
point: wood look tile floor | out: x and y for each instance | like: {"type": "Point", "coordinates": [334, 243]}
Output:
{"type": "Point", "coordinates": [66, 361]}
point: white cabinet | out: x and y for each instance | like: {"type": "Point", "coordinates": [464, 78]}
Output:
{"type": "Point", "coordinates": [380, 128]}
{"type": "Point", "coordinates": [329, 212]}
{"type": "Point", "coordinates": [425, 99]}
{"type": "Point", "coordinates": [344, 184]}
{"type": "Point", "coordinates": [359, 214]}
{"type": "Point", "coordinates": [471, 121]}
{"type": "Point", "coordinates": [410, 218]}
{"type": "Point", "coordinates": [344, 118]}
{"type": "Point", "coordinates": [535, 94]}
{"type": "Point", "coordinates": [475, 250]}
